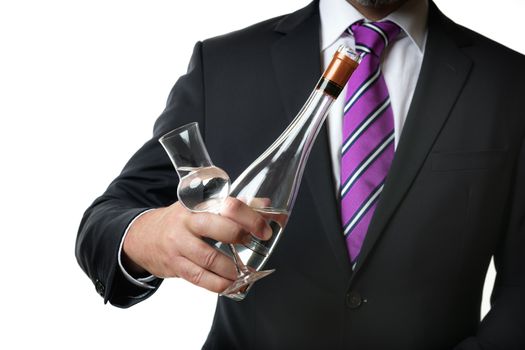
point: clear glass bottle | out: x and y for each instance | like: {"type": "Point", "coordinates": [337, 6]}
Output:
{"type": "Point", "coordinates": [270, 184]}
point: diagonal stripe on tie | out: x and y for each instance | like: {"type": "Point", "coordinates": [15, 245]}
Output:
{"type": "Point", "coordinates": [365, 106]}
{"type": "Point", "coordinates": [366, 205]}
{"type": "Point", "coordinates": [365, 143]}
{"type": "Point", "coordinates": [361, 90]}
{"type": "Point", "coordinates": [361, 168]}
{"type": "Point", "coordinates": [361, 47]}
{"type": "Point", "coordinates": [365, 124]}
{"type": "Point", "coordinates": [378, 30]}
{"type": "Point", "coordinates": [355, 240]}
{"type": "Point", "coordinates": [362, 187]}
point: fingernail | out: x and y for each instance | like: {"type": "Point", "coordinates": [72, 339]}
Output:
{"type": "Point", "coordinates": [247, 239]}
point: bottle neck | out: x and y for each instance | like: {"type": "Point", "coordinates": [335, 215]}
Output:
{"type": "Point", "coordinates": [336, 75]}
{"type": "Point", "coordinates": [329, 87]}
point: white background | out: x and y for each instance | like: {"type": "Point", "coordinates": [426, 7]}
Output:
{"type": "Point", "coordinates": [81, 83]}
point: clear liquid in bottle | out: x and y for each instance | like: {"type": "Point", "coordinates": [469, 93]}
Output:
{"type": "Point", "coordinates": [255, 253]}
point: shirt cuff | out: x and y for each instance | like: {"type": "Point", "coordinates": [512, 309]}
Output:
{"type": "Point", "coordinates": [142, 281]}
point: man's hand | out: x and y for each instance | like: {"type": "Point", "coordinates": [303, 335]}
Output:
{"type": "Point", "coordinates": [167, 242]}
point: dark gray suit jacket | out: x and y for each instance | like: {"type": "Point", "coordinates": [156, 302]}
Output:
{"type": "Point", "coordinates": [455, 196]}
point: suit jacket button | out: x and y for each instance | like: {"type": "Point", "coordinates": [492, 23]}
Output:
{"type": "Point", "coordinates": [353, 300]}
{"type": "Point", "coordinates": [99, 287]}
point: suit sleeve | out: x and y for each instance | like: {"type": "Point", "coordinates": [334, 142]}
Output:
{"type": "Point", "coordinates": [148, 180]}
{"type": "Point", "coordinates": [504, 326]}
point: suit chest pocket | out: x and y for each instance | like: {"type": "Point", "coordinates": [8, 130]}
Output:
{"type": "Point", "coordinates": [469, 160]}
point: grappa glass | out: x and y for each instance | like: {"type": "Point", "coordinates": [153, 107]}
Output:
{"type": "Point", "coordinates": [203, 187]}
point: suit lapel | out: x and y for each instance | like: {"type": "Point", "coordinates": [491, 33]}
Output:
{"type": "Point", "coordinates": [319, 178]}
{"type": "Point", "coordinates": [296, 60]}
{"type": "Point", "coordinates": [443, 74]}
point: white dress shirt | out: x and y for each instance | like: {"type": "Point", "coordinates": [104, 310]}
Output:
{"type": "Point", "coordinates": [143, 282]}
{"type": "Point", "coordinates": [401, 63]}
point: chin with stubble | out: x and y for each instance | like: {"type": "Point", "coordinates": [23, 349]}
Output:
{"type": "Point", "coordinates": [376, 3]}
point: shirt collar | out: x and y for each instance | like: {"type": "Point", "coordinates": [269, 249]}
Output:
{"type": "Point", "coordinates": [338, 15]}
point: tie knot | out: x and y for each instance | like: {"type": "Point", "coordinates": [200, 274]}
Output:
{"type": "Point", "coordinates": [373, 37]}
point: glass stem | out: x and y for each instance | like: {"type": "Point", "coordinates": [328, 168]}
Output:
{"type": "Point", "coordinates": [239, 265]}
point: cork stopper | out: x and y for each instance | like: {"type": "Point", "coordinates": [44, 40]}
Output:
{"type": "Point", "coordinates": [344, 63]}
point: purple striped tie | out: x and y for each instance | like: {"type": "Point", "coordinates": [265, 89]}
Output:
{"type": "Point", "coordinates": [368, 134]}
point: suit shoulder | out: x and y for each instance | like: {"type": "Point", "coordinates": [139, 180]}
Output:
{"type": "Point", "coordinates": [489, 47]}
{"type": "Point", "coordinates": [238, 50]}
{"type": "Point", "coordinates": [259, 35]}
{"type": "Point", "coordinates": [249, 33]}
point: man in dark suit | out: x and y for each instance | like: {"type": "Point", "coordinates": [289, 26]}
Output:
{"type": "Point", "coordinates": [454, 197]}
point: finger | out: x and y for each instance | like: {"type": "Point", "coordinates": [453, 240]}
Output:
{"type": "Point", "coordinates": [257, 202]}
{"type": "Point", "coordinates": [207, 257]}
{"type": "Point", "coordinates": [199, 276]}
{"type": "Point", "coordinates": [249, 219]}
{"type": "Point", "coordinates": [217, 227]}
